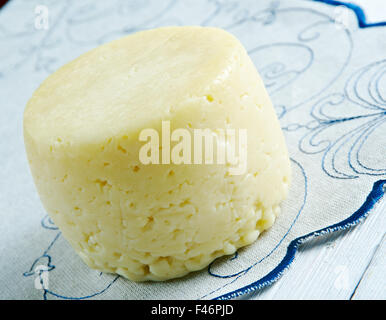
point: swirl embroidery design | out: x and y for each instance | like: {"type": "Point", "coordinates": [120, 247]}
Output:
{"type": "Point", "coordinates": [356, 115]}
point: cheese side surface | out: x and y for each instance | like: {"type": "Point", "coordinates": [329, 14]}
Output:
{"type": "Point", "coordinates": [155, 221]}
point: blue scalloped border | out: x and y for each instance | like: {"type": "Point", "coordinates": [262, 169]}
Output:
{"type": "Point", "coordinates": [378, 191]}
{"type": "Point", "coordinates": [359, 12]}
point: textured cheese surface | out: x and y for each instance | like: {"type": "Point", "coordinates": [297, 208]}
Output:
{"type": "Point", "coordinates": [154, 222]}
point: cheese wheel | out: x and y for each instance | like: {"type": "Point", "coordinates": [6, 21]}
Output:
{"type": "Point", "coordinates": [156, 221]}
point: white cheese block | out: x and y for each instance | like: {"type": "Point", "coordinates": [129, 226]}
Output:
{"type": "Point", "coordinates": [155, 221]}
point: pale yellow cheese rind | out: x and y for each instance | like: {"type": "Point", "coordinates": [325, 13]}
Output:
{"type": "Point", "coordinates": [154, 222]}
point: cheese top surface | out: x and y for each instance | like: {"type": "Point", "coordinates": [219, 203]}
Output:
{"type": "Point", "coordinates": [129, 83]}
